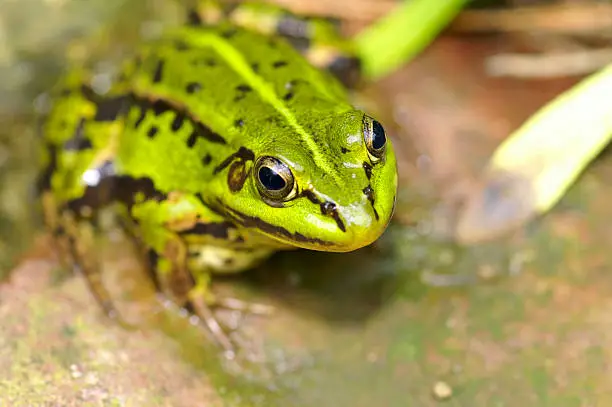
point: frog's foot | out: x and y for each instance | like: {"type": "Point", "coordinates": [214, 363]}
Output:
{"type": "Point", "coordinates": [203, 301]}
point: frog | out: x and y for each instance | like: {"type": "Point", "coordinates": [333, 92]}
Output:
{"type": "Point", "coordinates": [217, 144]}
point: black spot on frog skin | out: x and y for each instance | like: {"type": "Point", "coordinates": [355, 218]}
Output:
{"type": "Point", "coordinates": [193, 137]}
{"type": "Point", "coordinates": [279, 64]}
{"type": "Point", "coordinates": [206, 159]}
{"type": "Point", "coordinates": [239, 123]}
{"type": "Point", "coordinates": [344, 150]}
{"type": "Point", "coordinates": [152, 131]}
{"type": "Point", "coordinates": [288, 96]}
{"type": "Point", "coordinates": [193, 87]}
{"type": "Point", "coordinates": [177, 123]}
{"type": "Point", "coordinates": [159, 72]}
{"type": "Point", "coordinates": [242, 90]}
{"type": "Point", "coordinates": [209, 62]}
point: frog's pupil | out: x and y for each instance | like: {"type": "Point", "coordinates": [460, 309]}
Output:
{"type": "Point", "coordinates": [270, 179]}
{"type": "Point", "coordinates": [379, 139]}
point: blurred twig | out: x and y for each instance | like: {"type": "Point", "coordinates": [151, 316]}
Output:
{"type": "Point", "coordinates": [356, 10]}
{"type": "Point", "coordinates": [548, 65]}
{"type": "Point", "coordinates": [564, 18]}
{"type": "Point", "coordinates": [399, 36]}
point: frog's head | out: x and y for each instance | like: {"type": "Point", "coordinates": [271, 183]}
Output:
{"type": "Point", "coordinates": [331, 188]}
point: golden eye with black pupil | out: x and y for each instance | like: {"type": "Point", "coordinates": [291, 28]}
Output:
{"type": "Point", "coordinates": [274, 180]}
{"type": "Point", "coordinates": [374, 137]}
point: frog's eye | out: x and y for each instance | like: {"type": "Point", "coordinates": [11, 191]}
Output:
{"type": "Point", "coordinates": [374, 137]}
{"type": "Point", "coordinates": [274, 180]}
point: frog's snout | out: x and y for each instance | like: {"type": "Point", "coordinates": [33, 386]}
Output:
{"type": "Point", "coordinates": [352, 226]}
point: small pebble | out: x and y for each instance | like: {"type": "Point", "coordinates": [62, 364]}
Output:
{"type": "Point", "coordinates": [442, 391]}
{"type": "Point", "coordinates": [75, 372]}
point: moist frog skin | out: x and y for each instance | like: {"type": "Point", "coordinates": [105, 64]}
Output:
{"type": "Point", "coordinates": [219, 143]}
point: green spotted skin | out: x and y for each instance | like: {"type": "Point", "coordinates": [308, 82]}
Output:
{"type": "Point", "coordinates": [179, 142]}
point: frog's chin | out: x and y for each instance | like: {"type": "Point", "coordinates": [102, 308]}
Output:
{"type": "Point", "coordinates": [347, 242]}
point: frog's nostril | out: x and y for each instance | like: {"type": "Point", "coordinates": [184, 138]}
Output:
{"type": "Point", "coordinates": [327, 208]}
{"type": "Point", "coordinates": [369, 193]}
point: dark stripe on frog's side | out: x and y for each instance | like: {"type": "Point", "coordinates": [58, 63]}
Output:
{"type": "Point", "coordinates": [106, 110]}
{"type": "Point", "coordinates": [114, 188]}
{"type": "Point", "coordinates": [328, 208]}
{"type": "Point", "coordinates": [158, 107]}
{"type": "Point", "coordinates": [247, 221]}
{"type": "Point", "coordinates": [218, 230]}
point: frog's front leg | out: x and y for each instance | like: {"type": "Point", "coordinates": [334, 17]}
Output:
{"type": "Point", "coordinates": [187, 242]}
{"type": "Point", "coordinates": [72, 225]}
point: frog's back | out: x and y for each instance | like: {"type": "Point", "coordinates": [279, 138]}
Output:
{"type": "Point", "coordinates": [202, 94]}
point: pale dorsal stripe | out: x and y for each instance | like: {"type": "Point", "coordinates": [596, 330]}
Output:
{"type": "Point", "coordinates": [203, 39]}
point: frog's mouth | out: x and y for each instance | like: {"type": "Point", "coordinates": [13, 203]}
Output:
{"type": "Point", "coordinates": [351, 238]}
{"type": "Point", "coordinates": [274, 231]}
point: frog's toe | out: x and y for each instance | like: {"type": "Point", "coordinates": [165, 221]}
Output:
{"type": "Point", "coordinates": [112, 313]}
{"type": "Point", "coordinates": [202, 300]}
{"type": "Point", "coordinates": [203, 311]}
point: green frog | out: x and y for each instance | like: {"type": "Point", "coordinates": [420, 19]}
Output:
{"type": "Point", "coordinates": [217, 144]}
